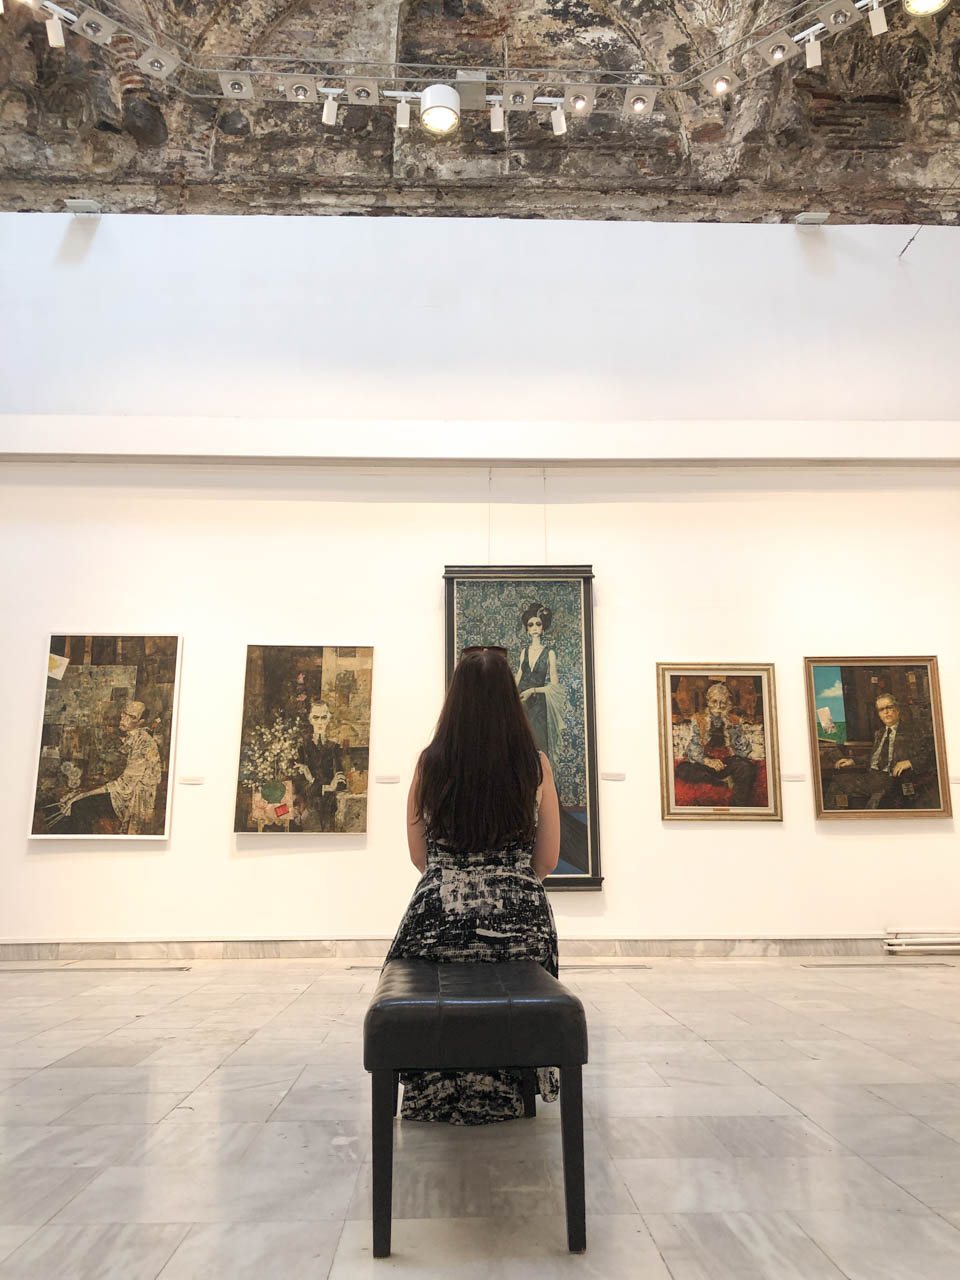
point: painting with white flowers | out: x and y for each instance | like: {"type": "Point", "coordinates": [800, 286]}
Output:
{"type": "Point", "coordinates": [305, 739]}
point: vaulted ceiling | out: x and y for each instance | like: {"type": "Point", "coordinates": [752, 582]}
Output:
{"type": "Point", "coordinates": [873, 135]}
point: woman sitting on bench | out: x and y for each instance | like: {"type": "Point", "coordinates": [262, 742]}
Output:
{"type": "Point", "coordinates": [483, 827]}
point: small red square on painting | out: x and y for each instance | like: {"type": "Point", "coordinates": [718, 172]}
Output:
{"type": "Point", "coordinates": [281, 810]}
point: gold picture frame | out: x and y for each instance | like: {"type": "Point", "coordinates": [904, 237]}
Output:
{"type": "Point", "coordinates": [876, 738]}
{"type": "Point", "coordinates": [719, 748]}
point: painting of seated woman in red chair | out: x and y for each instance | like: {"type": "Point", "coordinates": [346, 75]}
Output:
{"type": "Point", "coordinates": [718, 741]}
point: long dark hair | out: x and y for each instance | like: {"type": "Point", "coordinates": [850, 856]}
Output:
{"type": "Point", "coordinates": [478, 778]}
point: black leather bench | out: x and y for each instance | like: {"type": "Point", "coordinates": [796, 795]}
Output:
{"type": "Point", "coordinates": [474, 1017]}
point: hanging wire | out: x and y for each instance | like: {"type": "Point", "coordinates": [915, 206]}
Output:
{"type": "Point", "coordinates": [546, 558]}
{"type": "Point", "coordinates": [936, 207]}
{"type": "Point", "coordinates": [489, 513]}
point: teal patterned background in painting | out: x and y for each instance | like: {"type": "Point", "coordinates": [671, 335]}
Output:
{"type": "Point", "coordinates": [489, 612]}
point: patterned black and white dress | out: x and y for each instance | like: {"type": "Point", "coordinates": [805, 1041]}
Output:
{"type": "Point", "coordinates": [485, 907]}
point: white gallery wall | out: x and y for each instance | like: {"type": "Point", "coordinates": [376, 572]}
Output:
{"type": "Point", "coordinates": [692, 564]}
{"type": "Point", "coordinates": [173, 392]}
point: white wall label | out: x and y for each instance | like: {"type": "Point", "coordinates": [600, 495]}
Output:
{"type": "Point", "coordinates": [387, 777]}
{"type": "Point", "coordinates": [191, 782]}
{"type": "Point", "coordinates": [614, 777]}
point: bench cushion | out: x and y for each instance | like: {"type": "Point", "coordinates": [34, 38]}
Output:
{"type": "Point", "coordinates": [472, 1017]}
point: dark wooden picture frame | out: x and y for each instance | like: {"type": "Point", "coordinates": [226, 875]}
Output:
{"type": "Point", "coordinates": [486, 605]}
{"type": "Point", "coordinates": [858, 773]}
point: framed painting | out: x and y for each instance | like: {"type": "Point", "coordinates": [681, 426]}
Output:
{"type": "Point", "coordinates": [543, 617]}
{"type": "Point", "coordinates": [305, 739]}
{"type": "Point", "coordinates": [719, 756]}
{"type": "Point", "coordinates": [106, 741]}
{"type": "Point", "coordinates": [876, 738]}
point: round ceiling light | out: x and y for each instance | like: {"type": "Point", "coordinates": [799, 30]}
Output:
{"type": "Point", "coordinates": [578, 102]}
{"type": "Point", "coordinates": [778, 52]}
{"type": "Point", "coordinates": [721, 84]}
{"type": "Point", "coordinates": [923, 8]}
{"type": "Point", "coordinates": [440, 108]}
{"type": "Point", "coordinates": [639, 104]}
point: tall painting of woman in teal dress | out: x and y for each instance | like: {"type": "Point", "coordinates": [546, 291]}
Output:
{"type": "Point", "coordinates": [542, 617]}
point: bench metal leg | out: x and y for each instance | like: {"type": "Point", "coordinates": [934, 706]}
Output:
{"type": "Point", "coordinates": [383, 1110]}
{"type": "Point", "coordinates": [571, 1126]}
{"type": "Point", "coordinates": [396, 1091]}
{"type": "Point", "coordinates": [528, 1084]}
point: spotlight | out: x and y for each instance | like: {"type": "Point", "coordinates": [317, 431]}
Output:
{"type": "Point", "coordinates": [638, 101]}
{"type": "Point", "coordinates": [923, 8]}
{"type": "Point", "coordinates": [779, 48]}
{"type": "Point", "coordinates": [839, 14]}
{"type": "Point", "coordinates": [878, 20]}
{"type": "Point", "coordinates": [496, 118]}
{"type": "Point", "coordinates": [518, 95]}
{"type": "Point", "coordinates": [362, 91]}
{"type": "Point", "coordinates": [235, 84]}
{"type": "Point", "coordinates": [814, 52]}
{"type": "Point", "coordinates": [94, 26]}
{"type": "Point", "coordinates": [720, 81]}
{"type": "Point", "coordinates": [403, 114]}
{"type": "Point", "coordinates": [329, 113]}
{"type": "Point", "coordinates": [580, 99]}
{"type": "Point", "coordinates": [440, 109]}
{"type": "Point", "coordinates": [54, 32]}
{"type": "Point", "coordinates": [299, 89]}
{"type": "Point", "coordinates": [158, 62]}
{"type": "Point", "coordinates": [558, 120]}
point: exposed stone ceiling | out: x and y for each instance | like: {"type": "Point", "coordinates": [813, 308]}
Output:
{"type": "Point", "coordinates": [872, 136]}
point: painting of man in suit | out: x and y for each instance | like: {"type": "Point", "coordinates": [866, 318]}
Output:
{"type": "Point", "coordinates": [877, 733]}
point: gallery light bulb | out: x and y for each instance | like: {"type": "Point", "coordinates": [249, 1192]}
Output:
{"type": "Point", "coordinates": [440, 108]}
{"type": "Point", "coordinates": [923, 8]}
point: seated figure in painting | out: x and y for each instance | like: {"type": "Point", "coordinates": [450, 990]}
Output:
{"type": "Point", "coordinates": [320, 772]}
{"type": "Point", "coordinates": [718, 751]}
{"type": "Point", "coordinates": [889, 776]}
{"type": "Point", "coordinates": [483, 827]}
{"type": "Point", "coordinates": [128, 800]}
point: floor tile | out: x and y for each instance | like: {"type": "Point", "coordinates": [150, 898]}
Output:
{"type": "Point", "coordinates": [12, 1237]}
{"type": "Point", "coordinates": [93, 1253]}
{"type": "Point", "coordinates": [688, 1100]}
{"type": "Point", "coordinates": [121, 1108]}
{"type": "Point", "coordinates": [874, 1245]}
{"type": "Point", "coordinates": [651, 1137]}
{"type": "Point", "coordinates": [32, 1194]}
{"type": "Point", "coordinates": [895, 1135]}
{"type": "Point", "coordinates": [934, 1180]}
{"type": "Point", "coordinates": [252, 1251]}
{"type": "Point", "coordinates": [719, 1186]}
{"type": "Point", "coordinates": [772, 1136]}
{"type": "Point", "coordinates": [738, 1246]}
{"type": "Point", "coordinates": [67, 1145]}
{"type": "Point", "coordinates": [213, 1193]}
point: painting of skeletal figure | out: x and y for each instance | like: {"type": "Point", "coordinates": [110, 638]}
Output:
{"type": "Point", "coordinates": [305, 739]}
{"type": "Point", "coordinates": [109, 718]}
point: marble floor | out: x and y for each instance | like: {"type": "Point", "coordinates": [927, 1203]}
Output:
{"type": "Point", "coordinates": [767, 1119]}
